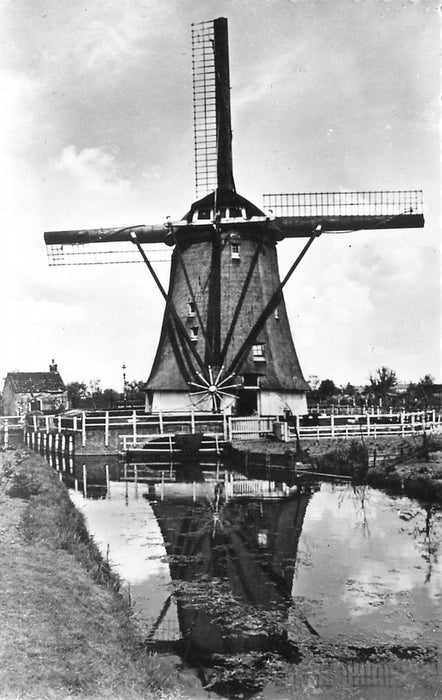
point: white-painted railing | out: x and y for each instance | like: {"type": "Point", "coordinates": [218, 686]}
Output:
{"type": "Point", "coordinates": [166, 441]}
{"type": "Point", "coordinates": [249, 427]}
{"type": "Point", "coordinates": [334, 426]}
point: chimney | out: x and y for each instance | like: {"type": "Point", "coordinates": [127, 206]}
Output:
{"type": "Point", "coordinates": [53, 367]}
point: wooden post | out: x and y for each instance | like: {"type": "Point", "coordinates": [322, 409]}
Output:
{"type": "Point", "coordinates": [134, 427]}
{"type": "Point", "coordinates": [47, 423]}
{"type": "Point", "coordinates": [136, 480]}
{"type": "Point", "coordinates": [332, 424]}
{"type": "Point", "coordinates": [75, 423]}
{"type": "Point", "coordinates": [59, 424]}
{"type": "Point", "coordinates": [6, 433]}
{"type": "Point", "coordinates": [194, 491]}
{"type": "Point", "coordinates": [83, 428]}
{"type": "Point", "coordinates": [192, 420]}
{"type": "Point", "coordinates": [84, 481]}
{"type": "Point", "coordinates": [225, 424]}
{"type": "Point", "coordinates": [160, 418]}
{"type": "Point", "coordinates": [368, 424]}
{"type": "Point", "coordinates": [162, 486]}
{"type": "Point", "coordinates": [107, 481]}
{"type": "Point", "coordinates": [34, 420]}
{"type": "Point", "coordinates": [106, 429]}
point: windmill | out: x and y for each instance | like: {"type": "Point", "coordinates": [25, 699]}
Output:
{"type": "Point", "coordinates": [225, 342]}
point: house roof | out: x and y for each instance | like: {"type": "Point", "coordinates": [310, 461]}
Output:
{"type": "Point", "coordinates": [25, 382]}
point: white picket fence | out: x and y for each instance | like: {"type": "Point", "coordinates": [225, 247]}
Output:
{"type": "Point", "coordinates": [331, 426]}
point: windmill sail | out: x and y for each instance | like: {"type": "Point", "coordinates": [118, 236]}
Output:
{"type": "Point", "coordinates": [211, 107]}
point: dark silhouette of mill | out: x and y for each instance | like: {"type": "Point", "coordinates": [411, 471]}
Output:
{"type": "Point", "coordinates": [225, 341]}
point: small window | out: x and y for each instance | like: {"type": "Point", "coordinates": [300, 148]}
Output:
{"type": "Point", "coordinates": [251, 381]}
{"type": "Point", "coordinates": [234, 247]}
{"type": "Point", "coordinates": [194, 333]}
{"type": "Point", "coordinates": [191, 308]}
{"type": "Point", "coordinates": [235, 212]}
{"type": "Point", "coordinates": [277, 314]}
{"type": "Point", "coordinates": [203, 214]}
{"type": "Point", "coordinates": [222, 212]}
{"type": "Point", "coordinates": [258, 352]}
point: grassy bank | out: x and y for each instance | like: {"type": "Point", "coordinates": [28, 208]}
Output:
{"type": "Point", "coordinates": [66, 629]}
{"type": "Point", "coordinates": [410, 465]}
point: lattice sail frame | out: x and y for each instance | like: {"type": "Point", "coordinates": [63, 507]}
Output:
{"type": "Point", "coordinates": [204, 108]}
{"type": "Point", "coordinates": [370, 203]}
{"type": "Point", "coordinates": [62, 255]}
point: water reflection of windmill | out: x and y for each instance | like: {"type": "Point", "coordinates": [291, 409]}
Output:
{"type": "Point", "coordinates": [232, 569]}
{"type": "Point", "coordinates": [225, 337]}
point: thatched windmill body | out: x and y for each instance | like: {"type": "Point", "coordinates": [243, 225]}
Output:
{"type": "Point", "coordinates": [225, 341]}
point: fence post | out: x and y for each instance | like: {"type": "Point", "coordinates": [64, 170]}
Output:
{"type": "Point", "coordinates": [59, 424]}
{"type": "Point", "coordinates": [84, 481]}
{"type": "Point", "coordinates": [298, 426]}
{"type": "Point", "coordinates": [83, 428]}
{"type": "Point", "coordinates": [160, 418]}
{"type": "Point", "coordinates": [368, 424]}
{"type": "Point", "coordinates": [134, 427]}
{"type": "Point", "coordinates": [192, 420]}
{"type": "Point", "coordinates": [106, 429]}
{"type": "Point", "coordinates": [6, 433]}
{"type": "Point", "coordinates": [332, 424]}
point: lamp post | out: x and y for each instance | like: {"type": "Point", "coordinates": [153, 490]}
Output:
{"type": "Point", "coordinates": [124, 385]}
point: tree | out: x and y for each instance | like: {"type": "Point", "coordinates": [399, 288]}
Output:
{"type": "Point", "coordinates": [381, 383]}
{"type": "Point", "coordinates": [77, 393]}
{"type": "Point", "coordinates": [419, 396]}
{"type": "Point", "coordinates": [327, 389]}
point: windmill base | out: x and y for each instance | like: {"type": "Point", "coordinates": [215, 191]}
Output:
{"type": "Point", "coordinates": [247, 402]}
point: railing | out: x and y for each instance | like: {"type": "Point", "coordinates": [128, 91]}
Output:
{"type": "Point", "coordinates": [333, 426]}
{"type": "Point", "coordinates": [136, 427]}
{"type": "Point", "coordinates": [210, 442]}
{"type": "Point", "coordinates": [139, 424]}
{"type": "Point", "coordinates": [249, 428]}
{"type": "Point", "coordinates": [368, 425]}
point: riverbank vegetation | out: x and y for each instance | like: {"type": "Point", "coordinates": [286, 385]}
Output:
{"type": "Point", "coordinates": [67, 629]}
{"type": "Point", "coordinates": [409, 465]}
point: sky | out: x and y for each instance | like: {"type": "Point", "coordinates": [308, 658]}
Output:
{"type": "Point", "coordinates": [96, 130]}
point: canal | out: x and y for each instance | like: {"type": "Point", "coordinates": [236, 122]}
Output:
{"type": "Point", "coordinates": [272, 585]}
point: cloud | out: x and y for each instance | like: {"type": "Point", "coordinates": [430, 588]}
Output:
{"type": "Point", "coordinates": [95, 169]}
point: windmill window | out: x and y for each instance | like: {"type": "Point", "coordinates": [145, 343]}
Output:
{"type": "Point", "coordinates": [235, 213]}
{"type": "Point", "coordinates": [258, 352]}
{"type": "Point", "coordinates": [194, 333]}
{"type": "Point", "coordinates": [234, 247]}
{"type": "Point", "coordinates": [191, 308]}
{"type": "Point", "coordinates": [204, 214]}
{"type": "Point", "coordinates": [277, 314]}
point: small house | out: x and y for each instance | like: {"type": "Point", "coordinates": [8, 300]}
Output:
{"type": "Point", "coordinates": [34, 391]}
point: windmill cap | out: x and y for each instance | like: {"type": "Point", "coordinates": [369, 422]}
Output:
{"type": "Point", "coordinates": [224, 198]}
